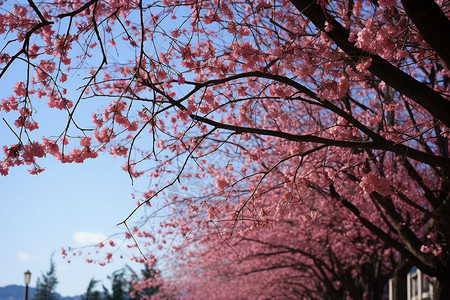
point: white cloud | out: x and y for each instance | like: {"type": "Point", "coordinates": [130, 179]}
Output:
{"type": "Point", "coordinates": [84, 238]}
{"type": "Point", "coordinates": [24, 257]}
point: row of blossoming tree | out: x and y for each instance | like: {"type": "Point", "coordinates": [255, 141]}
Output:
{"type": "Point", "coordinates": [308, 139]}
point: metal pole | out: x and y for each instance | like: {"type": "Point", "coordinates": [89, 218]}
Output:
{"type": "Point", "coordinates": [26, 291]}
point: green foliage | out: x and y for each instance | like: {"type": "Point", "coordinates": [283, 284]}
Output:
{"type": "Point", "coordinates": [45, 287]}
{"type": "Point", "coordinates": [90, 293]}
{"type": "Point", "coordinates": [119, 287]}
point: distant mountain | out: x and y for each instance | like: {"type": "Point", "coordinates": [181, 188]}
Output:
{"type": "Point", "coordinates": [16, 292]}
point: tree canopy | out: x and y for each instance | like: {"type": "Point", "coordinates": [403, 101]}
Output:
{"type": "Point", "coordinates": [308, 139]}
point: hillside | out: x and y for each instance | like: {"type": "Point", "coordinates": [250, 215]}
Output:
{"type": "Point", "coordinates": [16, 292]}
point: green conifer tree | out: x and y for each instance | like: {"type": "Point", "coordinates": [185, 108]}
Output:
{"type": "Point", "coordinates": [46, 285]}
{"type": "Point", "coordinates": [119, 287]}
{"type": "Point", "coordinates": [90, 293]}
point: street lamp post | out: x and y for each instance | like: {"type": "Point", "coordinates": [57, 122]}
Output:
{"type": "Point", "coordinates": [27, 281]}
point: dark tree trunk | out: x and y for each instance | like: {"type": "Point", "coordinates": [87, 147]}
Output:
{"type": "Point", "coordinates": [399, 283]}
{"type": "Point", "coordinates": [442, 288]}
{"type": "Point", "coordinates": [432, 23]}
{"type": "Point", "coordinates": [374, 290]}
{"type": "Point", "coordinates": [399, 286]}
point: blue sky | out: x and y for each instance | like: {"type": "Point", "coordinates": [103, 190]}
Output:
{"type": "Point", "coordinates": [67, 205]}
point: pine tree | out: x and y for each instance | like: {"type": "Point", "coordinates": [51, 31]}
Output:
{"type": "Point", "coordinates": [90, 293]}
{"type": "Point", "coordinates": [119, 287]}
{"type": "Point", "coordinates": [45, 287]}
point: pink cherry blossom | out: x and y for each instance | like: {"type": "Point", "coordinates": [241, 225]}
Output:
{"type": "Point", "coordinates": [296, 148]}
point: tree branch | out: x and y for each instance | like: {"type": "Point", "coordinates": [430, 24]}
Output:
{"type": "Point", "coordinates": [388, 239]}
{"type": "Point", "coordinates": [433, 25]}
{"type": "Point", "coordinates": [75, 12]}
{"type": "Point", "coordinates": [386, 145]}
{"type": "Point", "coordinates": [394, 77]}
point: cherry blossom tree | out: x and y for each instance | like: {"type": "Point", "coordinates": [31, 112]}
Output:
{"type": "Point", "coordinates": [283, 110]}
{"type": "Point", "coordinates": [298, 258]}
